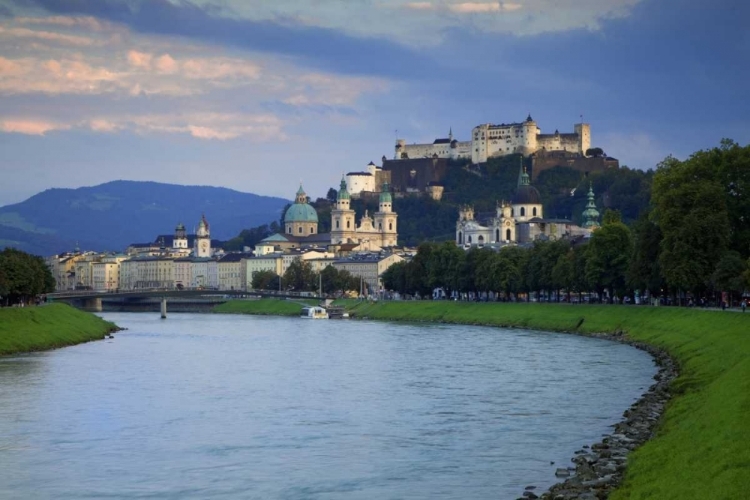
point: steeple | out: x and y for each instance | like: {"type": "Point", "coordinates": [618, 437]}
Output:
{"type": "Point", "coordinates": [523, 178]}
{"type": "Point", "coordinates": [450, 133]}
{"type": "Point", "coordinates": [301, 196]}
{"type": "Point", "coordinates": [591, 214]}
{"type": "Point", "coordinates": [343, 194]}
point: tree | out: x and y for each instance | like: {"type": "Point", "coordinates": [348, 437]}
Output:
{"type": "Point", "coordinates": [300, 277]}
{"type": "Point", "coordinates": [690, 208]}
{"type": "Point", "coordinates": [609, 252]}
{"type": "Point", "coordinates": [644, 272]}
{"type": "Point", "coordinates": [265, 280]}
{"type": "Point", "coordinates": [595, 152]}
{"type": "Point", "coordinates": [729, 273]}
{"type": "Point", "coordinates": [394, 278]}
{"type": "Point", "coordinates": [23, 277]}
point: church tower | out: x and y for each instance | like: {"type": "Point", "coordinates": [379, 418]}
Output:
{"type": "Point", "coordinates": [591, 214]}
{"type": "Point", "coordinates": [203, 239]}
{"type": "Point", "coordinates": [385, 218]}
{"type": "Point", "coordinates": [505, 229]}
{"type": "Point", "coordinates": [342, 217]}
{"type": "Point", "coordinates": [180, 240]}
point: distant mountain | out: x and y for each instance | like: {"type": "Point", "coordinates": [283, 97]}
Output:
{"type": "Point", "coordinates": [113, 215]}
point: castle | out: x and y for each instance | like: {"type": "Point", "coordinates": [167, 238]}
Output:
{"type": "Point", "coordinates": [490, 140]}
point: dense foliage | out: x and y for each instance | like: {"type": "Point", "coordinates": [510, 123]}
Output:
{"type": "Point", "coordinates": [692, 241]}
{"type": "Point", "coordinates": [300, 277]}
{"type": "Point", "coordinates": [23, 277]}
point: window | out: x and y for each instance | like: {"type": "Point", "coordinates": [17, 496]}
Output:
{"type": "Point", "coordinates": [300, 230]}
{"type": "Point", "coordinates": [337, 224]}
{"type": "Point", "coordinates": [390, 226]}
{"type": "Point", "coordinates": [289, 230]}
{"type": "Point", "coordinates": [460, 238]}
{"type": "Point", "coordinates": [348, 224]}
{"type": "Point", "coordinates": [497, 235]}
{"type": "Point", "coordinates": [523, 212]}
{"type": "Point", "coordinates": [534, 211]}
{"type": "Point", "coordinates": [380, 227]}
{"type": "Point", "coordinates": [507, 234]}
{"type": "Point", "coordinates": [311, 230]}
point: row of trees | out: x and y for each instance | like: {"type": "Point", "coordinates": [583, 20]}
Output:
{"type": "Point", "coordinates": [693, 241]}
{"type": "Point", "coordinates": [23, 277]}
{"type": "Point", "coordinates": [300, 277]}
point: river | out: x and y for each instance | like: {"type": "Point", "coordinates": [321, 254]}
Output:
{"type": "Point", "coordinates": [223, 406]}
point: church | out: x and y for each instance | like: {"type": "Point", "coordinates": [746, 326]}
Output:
{"type": "Point", "coordinates": [301, 225]}
{"type": "Point", "coordinates": [521, 221]}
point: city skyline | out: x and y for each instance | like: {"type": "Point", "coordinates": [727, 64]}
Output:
{"type": "Point", "coordinates": [217, 93]}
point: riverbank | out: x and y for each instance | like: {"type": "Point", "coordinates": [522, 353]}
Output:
{"type": "Point", "coordinates": [264, 307]}
{"type": "Point", "coordinates": [699, 448]}
{"type": "Point", "coordinates": [27, 329]}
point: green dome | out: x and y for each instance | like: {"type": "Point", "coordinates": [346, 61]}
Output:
{"type": "Point", "coordinates": [385, 194]}
{"type": "Point", "coordinates": [343, 193]}
{"type": "Point", "coordinates": [301, 212]}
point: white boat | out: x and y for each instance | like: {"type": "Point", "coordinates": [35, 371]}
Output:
{"type": "Point", "coordinates": [314, 313]}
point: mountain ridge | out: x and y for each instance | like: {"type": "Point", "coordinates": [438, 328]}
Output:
{"type": "Point", "coordinates": [110, 216]}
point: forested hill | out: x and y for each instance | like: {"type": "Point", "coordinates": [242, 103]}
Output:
{"type": "Point", "coordinates": [110, 216]}
{"type": "Point", "coordinates": [563, 192]}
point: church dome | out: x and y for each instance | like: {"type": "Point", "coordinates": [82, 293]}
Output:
{"type": "Point", "coordinates": [301, 211]}
{"type": "Point", "coordinates": [527, 195]}
{"type": "Point", "coordinates": [343, 194]}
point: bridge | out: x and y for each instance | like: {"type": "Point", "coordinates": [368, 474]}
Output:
{"type": "Point", "coordinates": [91, 300]}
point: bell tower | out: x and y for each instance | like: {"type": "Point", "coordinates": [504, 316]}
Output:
{"type": "Point", "coordinates": [342, 217]}
{"type": "Point", "coordinates": [386, 218]}
{"type": "Point", "coordinates": [203, 239]}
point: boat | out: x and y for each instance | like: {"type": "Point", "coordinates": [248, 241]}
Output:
{"type": "Point", "coordinates": [314, 312]}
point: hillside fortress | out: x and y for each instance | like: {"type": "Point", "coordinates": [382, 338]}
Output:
{"type": "Point", "coordinates": [491, 140]}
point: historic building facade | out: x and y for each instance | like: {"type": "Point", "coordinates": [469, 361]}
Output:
{"type": "Point", "coordinates": [520, 221]}
{"type": "Point", "coordinates": [380, 230]}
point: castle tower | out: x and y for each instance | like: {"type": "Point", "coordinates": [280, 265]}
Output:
{"type": "Point", "coordinates": [584, 136]}
{"type": "Point", "coordinates": [591, 214]}
{"type": "Point", "coordinates": [385, 220]}
{"type": "Point", "coordinates": [203, 239]}
{"type": "Point", "coordinates": [180, 240]}
{"type": "Point", "coordinates": [529, 131]}
{"type": "Point", "coordinates": [300, 219]}
{"type": "Point", "coordinates": [342, 217]}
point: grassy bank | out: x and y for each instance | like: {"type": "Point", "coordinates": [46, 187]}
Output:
{"type": "Point", "coordinates": [273, 307]}
{"type": "Point", "coordinates": [48, 327]}
{"type": "Point", "coordinates": [702, 447]}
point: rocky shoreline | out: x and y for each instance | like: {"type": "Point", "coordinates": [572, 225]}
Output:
{"type": "Point", "coordinates": [599, 469]}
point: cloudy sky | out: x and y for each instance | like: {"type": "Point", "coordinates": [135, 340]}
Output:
{"type": "Point", "coordinates": [257, 95]}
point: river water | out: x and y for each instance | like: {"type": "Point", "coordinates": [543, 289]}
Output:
{"type": "Point", "coordinates": [223, 406]}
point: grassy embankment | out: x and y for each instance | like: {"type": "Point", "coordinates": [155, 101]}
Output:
{"type": "Point", "coordinates": [271, 307]}
{"type": "Point", "coordinates": [702, 447]}
{"type": "Point", "coordinates": [54, 325]}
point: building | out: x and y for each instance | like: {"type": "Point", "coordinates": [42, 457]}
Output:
{"type": "Point", "coordinates": [446, 147]}
{"type": "Point", "coordinates": [300, 218]}
{"type": "Point", "coordinates": [368, 267]}
{"type": "Point", "coordinates": [106, 273]}
{"type": "Point", "coordinates": [138, 273]}
{"type": "Point", "coordinates": [229, 269]}
{"type": "Point", "coordinates": [490, 140]}
{"type": "Point", "coordinates": [272, 262]}
{"type": "Point", "coordinates": [519, 222]}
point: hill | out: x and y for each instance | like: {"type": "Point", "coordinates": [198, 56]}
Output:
{"type": "Point", "coordinates": [110, 216]}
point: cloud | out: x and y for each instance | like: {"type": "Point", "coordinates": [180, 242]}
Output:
{"type": "Point", "coordinates": [481, 7]}
{"type": "Point", "coordinates": [86, 22]}
{"type": "Point", "coordinates": [30, 126]}
{"type": "Point", "coordinates": [47, 36]}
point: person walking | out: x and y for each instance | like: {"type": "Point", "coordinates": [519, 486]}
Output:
{"type": "Point", "coordinates": [744, 305]}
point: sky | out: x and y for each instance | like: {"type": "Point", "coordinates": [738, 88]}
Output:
{"type": "Point", "coordinates": [260, 95]}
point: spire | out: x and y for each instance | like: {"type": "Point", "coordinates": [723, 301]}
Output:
{"type": "Point", "coordinates": [450, 133]}
{"type": "Point", "coordinates": [385, 194]}
{"type": "Point", "coordinates": [343, 194]}
{"type": "Point", "coordinates": [591, 214]}
{"type": "Point", "coordinates": [301, 196]}
{"type": "Point", "coordinates": [523, 178]}
{"type": "Point", "coordinates": [529, 119]}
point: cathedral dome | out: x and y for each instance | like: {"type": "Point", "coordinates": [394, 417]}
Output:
{"type": "Point", "coordinates": [301, 211]}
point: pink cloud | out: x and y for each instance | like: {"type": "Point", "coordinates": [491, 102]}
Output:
{"type": "Point", "coordinates": [166, 64]}
{"type": "Point", "coordinates": [87, 22]}
{"type": "Point", "coordinates": [30, 127]}
{"type": "Point", "coordinates": [139, 59]}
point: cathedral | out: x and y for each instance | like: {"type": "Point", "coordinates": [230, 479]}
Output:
{"type": "Point", "coordinates": [301, 225]}
{"type": "Point", "coordinates": [379, 230]}
{"type": "Point", "coordinates": [521, 221]}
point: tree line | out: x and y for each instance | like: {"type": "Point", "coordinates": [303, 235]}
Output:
{"type": "Point", "coordinates": [300, 277]}
{"type": "Point", "coordinates": [23, 277]}
{"type": "Point", "coordinates": [691, 243]}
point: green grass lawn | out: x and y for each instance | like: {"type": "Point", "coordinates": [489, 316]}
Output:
{"type": "Point", "coordinates": [274, 307]}
{"type": "Point", "coordinates": [28, 329]}
{"type": "Point", "coordinates": [702, 446]}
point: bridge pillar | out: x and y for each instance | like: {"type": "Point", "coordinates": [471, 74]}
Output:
{"type": "Point", "coordinates": [92, 305]}
{"type": "Point", "coordinates": [163, 308]}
